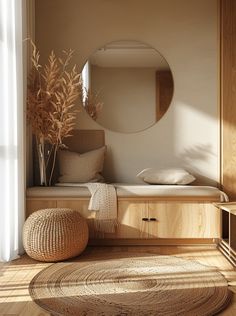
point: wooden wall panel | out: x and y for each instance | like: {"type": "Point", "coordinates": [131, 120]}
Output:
{"type": "Point", "coordinates": [228, 97]}
{"type": "Point", "coordinates": [164, 92]}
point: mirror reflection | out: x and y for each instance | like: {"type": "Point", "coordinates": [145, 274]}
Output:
{"type": "Point", "coordinates": [127, 86]}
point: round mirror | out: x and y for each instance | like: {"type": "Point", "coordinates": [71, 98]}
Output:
{"type": "Point", "coordinates": [127, 86]}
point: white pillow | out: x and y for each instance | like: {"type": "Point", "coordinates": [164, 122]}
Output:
{"type": "Point", "coordinates": [166, 176]}
{"type": "Point", "coordinates": [86, 167]}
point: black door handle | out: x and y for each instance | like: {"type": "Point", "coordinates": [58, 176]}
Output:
{"type": "Point", "coordinates": [146, 219]}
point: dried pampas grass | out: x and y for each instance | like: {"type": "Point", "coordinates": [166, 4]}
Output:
{"type": "Point", "coordinates": [52, 93]}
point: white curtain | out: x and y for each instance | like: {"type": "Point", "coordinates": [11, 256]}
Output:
{"type": "Point", "coordinates": [12, 165]}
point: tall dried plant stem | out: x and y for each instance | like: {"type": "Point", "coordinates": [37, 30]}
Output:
{"type": "Point", "coordinates": [40, 143]}
{"type": "Point", "coordinates": [53, 163]}
{"type": "Point", "coordinates": [49, 156]}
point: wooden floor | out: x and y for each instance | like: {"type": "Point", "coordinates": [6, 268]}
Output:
{"type": "Point", "coordinates": [15, 276]}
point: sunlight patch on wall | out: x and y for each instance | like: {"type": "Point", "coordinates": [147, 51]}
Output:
{"type": "Point", "coordinates": [200, 134]}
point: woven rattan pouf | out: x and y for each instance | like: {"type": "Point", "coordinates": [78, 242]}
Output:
{"type": "Point", "coordinates": [55, 234]}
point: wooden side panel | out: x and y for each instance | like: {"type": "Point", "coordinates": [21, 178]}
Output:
{"type": "Point", "coordinates": [228, 96]}
{"type": "Point", "coordinates": [130, 218]}
{"type": "Point", "coordinates": [35, 205]}
{"type": "Point", "coordinates": [184, 220]}
{"type": "Point", "coordinates": [156, 227]}
{"type": "Point", "coordinates": [153, 242]}
{"type": "Point", "coordinates": [78, 205]}
{"type": "Point", "coordinates": [163, 219]}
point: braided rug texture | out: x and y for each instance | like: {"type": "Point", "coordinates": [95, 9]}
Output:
{"type": "Point", "coordinates": [147, 286]}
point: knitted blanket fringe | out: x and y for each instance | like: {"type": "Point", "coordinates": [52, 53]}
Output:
{"type": "Point", "coordinates": [104, 201]}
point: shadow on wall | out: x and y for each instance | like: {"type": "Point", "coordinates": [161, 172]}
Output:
{"type": "Point", "coordinates": [193, 156]}
{"type": "Point", "coordinates": [196, 159]}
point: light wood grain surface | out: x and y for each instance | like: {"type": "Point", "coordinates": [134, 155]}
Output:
{"type": "Point", "coordinates": [171, 219]}
{"type": "Point", "coordinates": [228, 97]}
{"type": "Point", "coordinates": [15, 276]}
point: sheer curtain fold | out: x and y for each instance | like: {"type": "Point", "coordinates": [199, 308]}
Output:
{"type": "Point", "coordinates": [12, 135]}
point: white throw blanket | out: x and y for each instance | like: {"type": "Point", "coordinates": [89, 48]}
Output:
{"type": "Point", "coordinates": [104, 202]}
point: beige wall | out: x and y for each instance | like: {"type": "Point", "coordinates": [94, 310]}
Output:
{"type": "Point", "coordinates": [126, 93]}
{"type": "Point", "coordinates": [185, 33]}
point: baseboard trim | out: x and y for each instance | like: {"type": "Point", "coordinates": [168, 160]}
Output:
{"type": "Point", "coordinates": [154, 242]}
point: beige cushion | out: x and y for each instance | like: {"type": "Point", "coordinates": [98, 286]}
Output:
{"type": "Point", "coordinates": [67, 190]}
{"type": "Point", "coordinates": [165, 176]}
{"type": "Point", "coordinates": [75, 167]}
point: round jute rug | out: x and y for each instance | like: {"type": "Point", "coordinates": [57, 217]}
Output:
{"type": "Point", "coordinates": [153, 285]}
